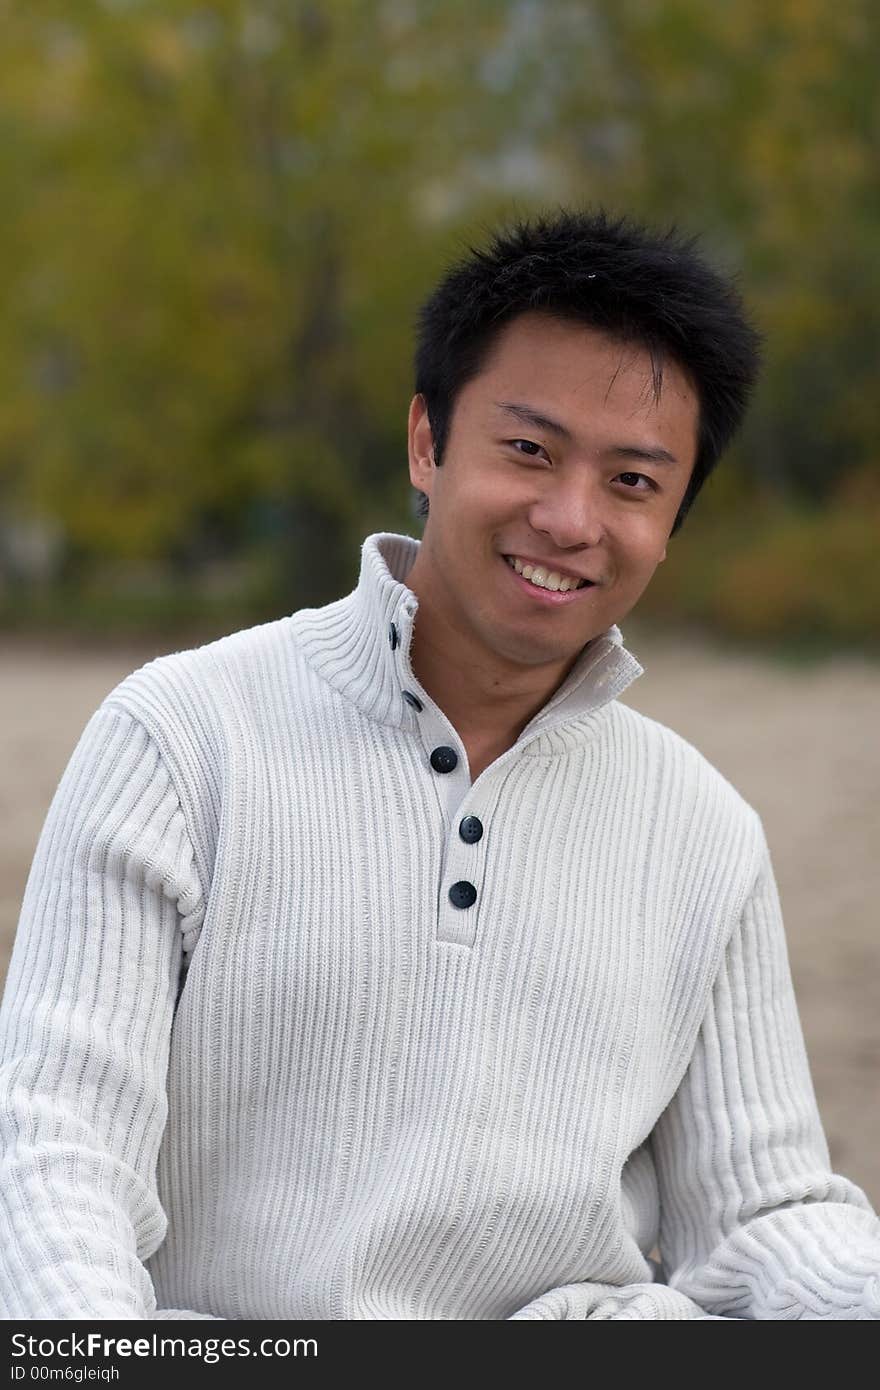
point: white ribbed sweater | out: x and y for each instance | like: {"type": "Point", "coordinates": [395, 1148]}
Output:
{"type": "Point", "coordinates": [371, 1103]}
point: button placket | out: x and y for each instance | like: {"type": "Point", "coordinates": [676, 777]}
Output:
{"type": "Point", "coordinates": [459, 887]}
{"type": "Point", "coordinates": [464, 881]}
{"type": "Point", "coordinates": [457, 899]}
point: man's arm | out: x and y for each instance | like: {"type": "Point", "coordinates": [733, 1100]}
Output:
{"type": "Point", "coordinates": [85, 1030]}
{"type": "Point", "coordinates": [754, 1224]}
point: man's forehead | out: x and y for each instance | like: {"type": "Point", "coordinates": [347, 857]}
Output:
{"type": "Point", "coordinates": [565, 354]}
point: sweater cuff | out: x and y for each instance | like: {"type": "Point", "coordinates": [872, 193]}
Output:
{"type": "Point", "coordinates": [184, 1315]}
{"type": "Point", "coordinates": [816, 1260]}
{"type": "Point", "coordinates": [607, 1302]}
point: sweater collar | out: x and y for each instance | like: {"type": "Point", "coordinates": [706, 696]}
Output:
{"type": "Point", "coordinates": [360, 644]}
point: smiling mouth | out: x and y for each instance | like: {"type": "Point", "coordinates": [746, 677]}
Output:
{"type": "Point", "coordinates": [540, 577]}
{"type": "Point", "coordinates": [540, 597]}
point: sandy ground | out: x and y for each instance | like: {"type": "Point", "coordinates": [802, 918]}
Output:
{"type": "Point", "coordinates": [800, 744]}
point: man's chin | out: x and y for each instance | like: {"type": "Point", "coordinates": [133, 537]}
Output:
{"type": "Point", "coordinates": [532, 654]}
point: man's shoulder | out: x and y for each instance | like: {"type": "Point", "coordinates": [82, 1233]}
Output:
{"type": "Point", "coordinates": [678, 765]}
{"type": "Point", "coordinates": [193, 681]}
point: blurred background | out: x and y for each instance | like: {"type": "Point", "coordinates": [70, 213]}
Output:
{"type": "Point", "coordinates": [218, 223]}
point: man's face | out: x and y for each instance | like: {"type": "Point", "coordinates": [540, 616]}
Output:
{"type": "Point", "coordinates": [595, 498]}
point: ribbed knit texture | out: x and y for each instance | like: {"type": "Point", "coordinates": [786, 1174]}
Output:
{"type": "Point", "coordinates": [370, 1103]}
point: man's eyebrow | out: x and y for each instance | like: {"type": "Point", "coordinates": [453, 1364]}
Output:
{"type": "Point", "coordinates": [529, 416]}
{"type": "Point", "coordinates": [534, 417]}
{"type": "Point", "coordinates": [639, 451]}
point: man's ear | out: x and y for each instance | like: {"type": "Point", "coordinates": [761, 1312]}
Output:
{"type": "Point", "coordinates": [421, 445]}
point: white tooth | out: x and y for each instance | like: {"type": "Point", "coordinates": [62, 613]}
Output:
{"type": "Point", "coordinates": [527, 571]}
{"type": "Point", "coordinates": [539, 576]}
{"type": "Point", "coordinates": [566, 584]}
{"type": "Point", "coordinates": [554, 580]}
{"type": "Point", "coordinates": [517, 565]}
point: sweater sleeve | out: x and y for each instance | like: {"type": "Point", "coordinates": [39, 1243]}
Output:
{"type": "Point", "coordinates": [85, 1030]}
{"type": "Point", "coordinates": [754, 1223]}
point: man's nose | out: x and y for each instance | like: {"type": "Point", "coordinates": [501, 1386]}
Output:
{"type": "Point", "coordinates": [570, 512]}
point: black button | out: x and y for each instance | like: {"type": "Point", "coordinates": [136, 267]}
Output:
{"type": "Point", "coordinates": [412, 699]}
{"type": "Point", "coordinates": [444, 759]}
{"type": "Point", "coordinates": [462, 894]}
{"type": "Point", "coordinates": [471, 830]}
{"type": "Point", "coordinates": [392, 635]}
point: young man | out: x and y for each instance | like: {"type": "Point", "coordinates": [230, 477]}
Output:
{"type": "Point", "coordinates": [486, 989]}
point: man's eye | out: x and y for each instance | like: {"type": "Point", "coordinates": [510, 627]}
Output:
{"type": "Point", "coordinates": [627, 477]}
{"type": "Point", "coordinates": [529, 443]}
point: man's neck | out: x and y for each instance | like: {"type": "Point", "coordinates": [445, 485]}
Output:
{"type": "Point", "coordinates": [488, 704]}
